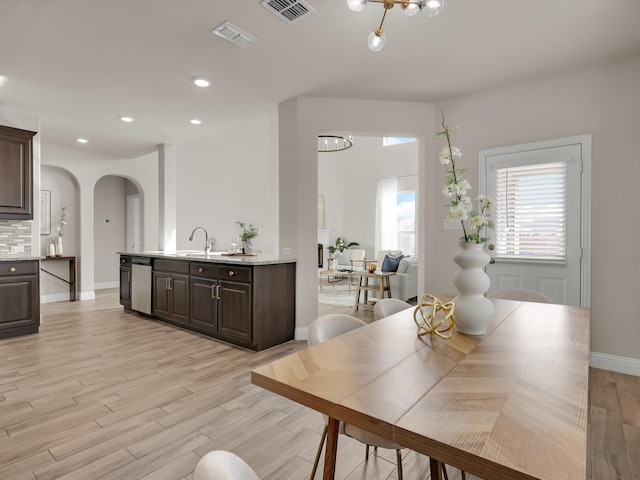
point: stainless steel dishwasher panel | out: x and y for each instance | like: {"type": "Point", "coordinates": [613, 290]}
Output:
{"type": "Point", "coordinates": [141, 277]}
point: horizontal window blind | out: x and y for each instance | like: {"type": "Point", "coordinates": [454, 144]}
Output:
{"type": "Point", "coordinates": [530, 219]}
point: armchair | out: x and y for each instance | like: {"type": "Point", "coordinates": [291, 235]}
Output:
{"type": "Point", "coordinates": [350, 259]}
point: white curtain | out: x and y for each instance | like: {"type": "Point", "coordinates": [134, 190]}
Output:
{"type": "Point", "coordinates": [386, 215]}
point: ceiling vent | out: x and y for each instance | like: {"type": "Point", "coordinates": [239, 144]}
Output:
{"type": "Point", "coordinates": [288, 11]}
{"type": "Point", "coordinates": [233, 34]}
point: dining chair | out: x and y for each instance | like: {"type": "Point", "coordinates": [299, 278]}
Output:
{"type": "Point", "coordinates": [223, 465]}
{"type": "Point", "coordinates": [388, 306]}
{"type": "Point", "coordinates": [322, 329]}
{"type": "Point", "coordinates": [521, 295]}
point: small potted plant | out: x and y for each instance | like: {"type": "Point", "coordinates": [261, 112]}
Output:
{"type": "Point", "coordinates": [248, 232]}
{"type": "Point", "coordinates": [339, 247]}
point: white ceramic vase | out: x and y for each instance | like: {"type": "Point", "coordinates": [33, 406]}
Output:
{"type": "Point", "coordinates": [59, 252]}
{"type": "Point", "coordinates": [473, 311]}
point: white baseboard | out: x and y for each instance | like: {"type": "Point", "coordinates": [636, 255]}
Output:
{"type": "Point", "coordinates": [301, 333]}
{"type": "Point", "coordinates": [64, 297]}
{"type": "Point", "coordinates": [614, 363]}
{"type": "Point", "coordinates": [55, 297]}
{"type": "Point", "coordinates": [106, 285]}
{"type": "Point", "coordinates": [87, 295]}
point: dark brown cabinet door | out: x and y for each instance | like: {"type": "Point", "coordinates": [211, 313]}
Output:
{"type": "Point", "coordinates": [179, 295]}
{"type": "Point", "coordinates": [204, 304]}
{"type": "Point", "coordinates": [171, 296]}
{"type": "Point", "coordinates": [161, 307]}
{"type": "Point", "coordinates": [19, 298]}
{"type": "Point", "coordinates": [16, 179]}
{"type": "Point", "coordinates": [234, 311]}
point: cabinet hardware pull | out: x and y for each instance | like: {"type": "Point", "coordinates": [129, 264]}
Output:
{"type": "Point", "coordinates": [231, 273]}
{"type": "Point", "coordinates": [201, 270]}
{"type": "Point", "coordinates": [218, 292]}
{"type": "Point", "coordinates": [168, 283]}
{"type": "Point", "coordinates": [12, 269]}
{"type": "Point", "coordinates": [128, 276]}
{"type": "Point", "coordinates": [213, 290]}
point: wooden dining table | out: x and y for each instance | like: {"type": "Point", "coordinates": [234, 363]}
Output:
{"type": "Point", "coordinates": [510, 404]}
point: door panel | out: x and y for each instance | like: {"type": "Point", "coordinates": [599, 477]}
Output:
{"type": "Point", "coordinates": [234, 311]}
{"type": "Point", "coordinates": [180, 297]}
{"type": "Point", "coordinates": [558, 279]}
{"type": "Point", "coordinates": [204, 304]}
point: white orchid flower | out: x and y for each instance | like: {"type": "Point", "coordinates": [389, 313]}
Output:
{"type": "Point", "coordinates": [457, 213]}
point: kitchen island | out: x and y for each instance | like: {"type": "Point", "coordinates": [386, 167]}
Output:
{"type": "Point", "coordinates": [248, 301]}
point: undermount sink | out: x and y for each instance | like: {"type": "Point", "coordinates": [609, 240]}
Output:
{"type": "Point", "coordinates": [197, 254]}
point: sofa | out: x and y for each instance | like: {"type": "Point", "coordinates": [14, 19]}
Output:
{"type": "Point", "coordinates": [404, 284]}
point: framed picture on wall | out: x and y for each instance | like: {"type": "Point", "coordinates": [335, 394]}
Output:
{"type": "Point", "coordinates": [45, 212]}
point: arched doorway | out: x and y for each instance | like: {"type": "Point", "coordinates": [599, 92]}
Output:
{"type": "Point", "coordinates": [117, 219]}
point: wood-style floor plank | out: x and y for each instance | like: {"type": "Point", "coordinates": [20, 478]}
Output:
{"type": "Point", "coordinates": [102, 393]}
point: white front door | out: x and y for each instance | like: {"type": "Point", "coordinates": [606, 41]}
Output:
{"type": "Point", "coordinates": [537, 242]}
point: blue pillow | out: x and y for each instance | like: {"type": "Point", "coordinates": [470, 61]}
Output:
{"type": "Point", "coordinates": [390, 264]}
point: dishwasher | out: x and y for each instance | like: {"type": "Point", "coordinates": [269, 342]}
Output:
{"type": "Point", "coordinates": [141, 277]}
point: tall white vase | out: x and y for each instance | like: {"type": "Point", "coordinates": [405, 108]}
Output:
{"type": "Point", "coordinates": [473, 311]}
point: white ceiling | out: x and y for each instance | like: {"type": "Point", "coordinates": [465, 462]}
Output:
{"type": "Point", "coordinates": [80, 64]}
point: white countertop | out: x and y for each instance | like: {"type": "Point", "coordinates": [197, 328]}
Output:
{"type": "Point", "coordinates": [215, 257]}
{"type": "Point", "coordinates": [18, 257]}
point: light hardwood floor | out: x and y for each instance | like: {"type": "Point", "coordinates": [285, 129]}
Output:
{"type": "Point", "coordinates": [100, 393]}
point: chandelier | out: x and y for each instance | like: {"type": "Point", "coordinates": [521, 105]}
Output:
{"type": "Point", "coordinates": [376, 39]}
{"type": "Point", "coordinates": [334, 143]}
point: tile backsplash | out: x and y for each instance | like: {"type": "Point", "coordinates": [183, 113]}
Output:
{"type": "Point", "coordinates": [15, 233]}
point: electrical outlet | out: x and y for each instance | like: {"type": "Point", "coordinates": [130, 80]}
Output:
{"type": "Point", "coordinates": [17, 248]}
{"type": "Point", "coordinates": [286, 251]}
{"type": "Point", "coordinates": [452, 226]}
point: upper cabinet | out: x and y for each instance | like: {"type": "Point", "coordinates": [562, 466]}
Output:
{"type": "Point", "coordinates": [16, 173]}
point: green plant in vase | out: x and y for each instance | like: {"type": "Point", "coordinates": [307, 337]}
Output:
{"type": "Point", "coordinates": [248, 232]}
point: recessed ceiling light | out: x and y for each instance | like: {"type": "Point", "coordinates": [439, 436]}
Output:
{"type": "Point", "coordinates": [195, 121]}
{"type": "Point", "coordinates": [126, 118]}
{"type": "Point", "coordinates": [201, 81]}
{"type": "Point", "coordinates": [82, 140]}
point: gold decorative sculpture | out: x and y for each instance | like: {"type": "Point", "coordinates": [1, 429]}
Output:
{"type": "Point", "coordinates": [436, 318]}
{"type": "Point", "coordinates": [371, 267]}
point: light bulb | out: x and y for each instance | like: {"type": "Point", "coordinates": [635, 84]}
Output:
{"type": "Point", "coordinates": [376, 40]}
{"type": "Point", "coordinates": [357, 5]}
{"type": "Point", "coordinates": [201, 81]}
{"type": "Point", "coordinates": [410, 9]}
{"type": "Point", "coordinates": [434, 7]}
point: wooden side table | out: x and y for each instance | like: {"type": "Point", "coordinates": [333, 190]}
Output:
{"type": "Point", "coordinates": [383, 286]}
{"type": "Point", "coordinates": [72, 274]}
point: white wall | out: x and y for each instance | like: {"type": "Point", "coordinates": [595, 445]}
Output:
{"type": "Point", "coordinates": [109, 229]}
{"type": "Point", "coordinates": [300, 120]}
{"type": "Point", "coordinates": [348, 181]}
{"type": "Point", "coordinates": [603, 100]}
{"type": "Point", "coordinates": [86, 168]}
{"type": "Point", "coordinates": [64, 193]}
{"type": "Point", "coordinates": [229, 177]}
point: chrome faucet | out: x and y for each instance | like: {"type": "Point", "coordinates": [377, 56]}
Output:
{"type": "Point", "coordinates": [207, 245]}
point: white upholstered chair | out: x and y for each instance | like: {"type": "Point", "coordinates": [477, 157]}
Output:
{"type": "Point", "coordinates": [223, 465]}
{"type": "Point", "coordinates": [388, 306]}
{"type": "Point", "coordinates": [521, 295]}
{"type": "Point", "coordinates": [322, 329]}
{"type": "Point", "coordinates": [357, 258]}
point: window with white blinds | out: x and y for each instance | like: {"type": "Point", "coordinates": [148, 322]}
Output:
{"type": "Point", "coordinates": [530, 219]}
